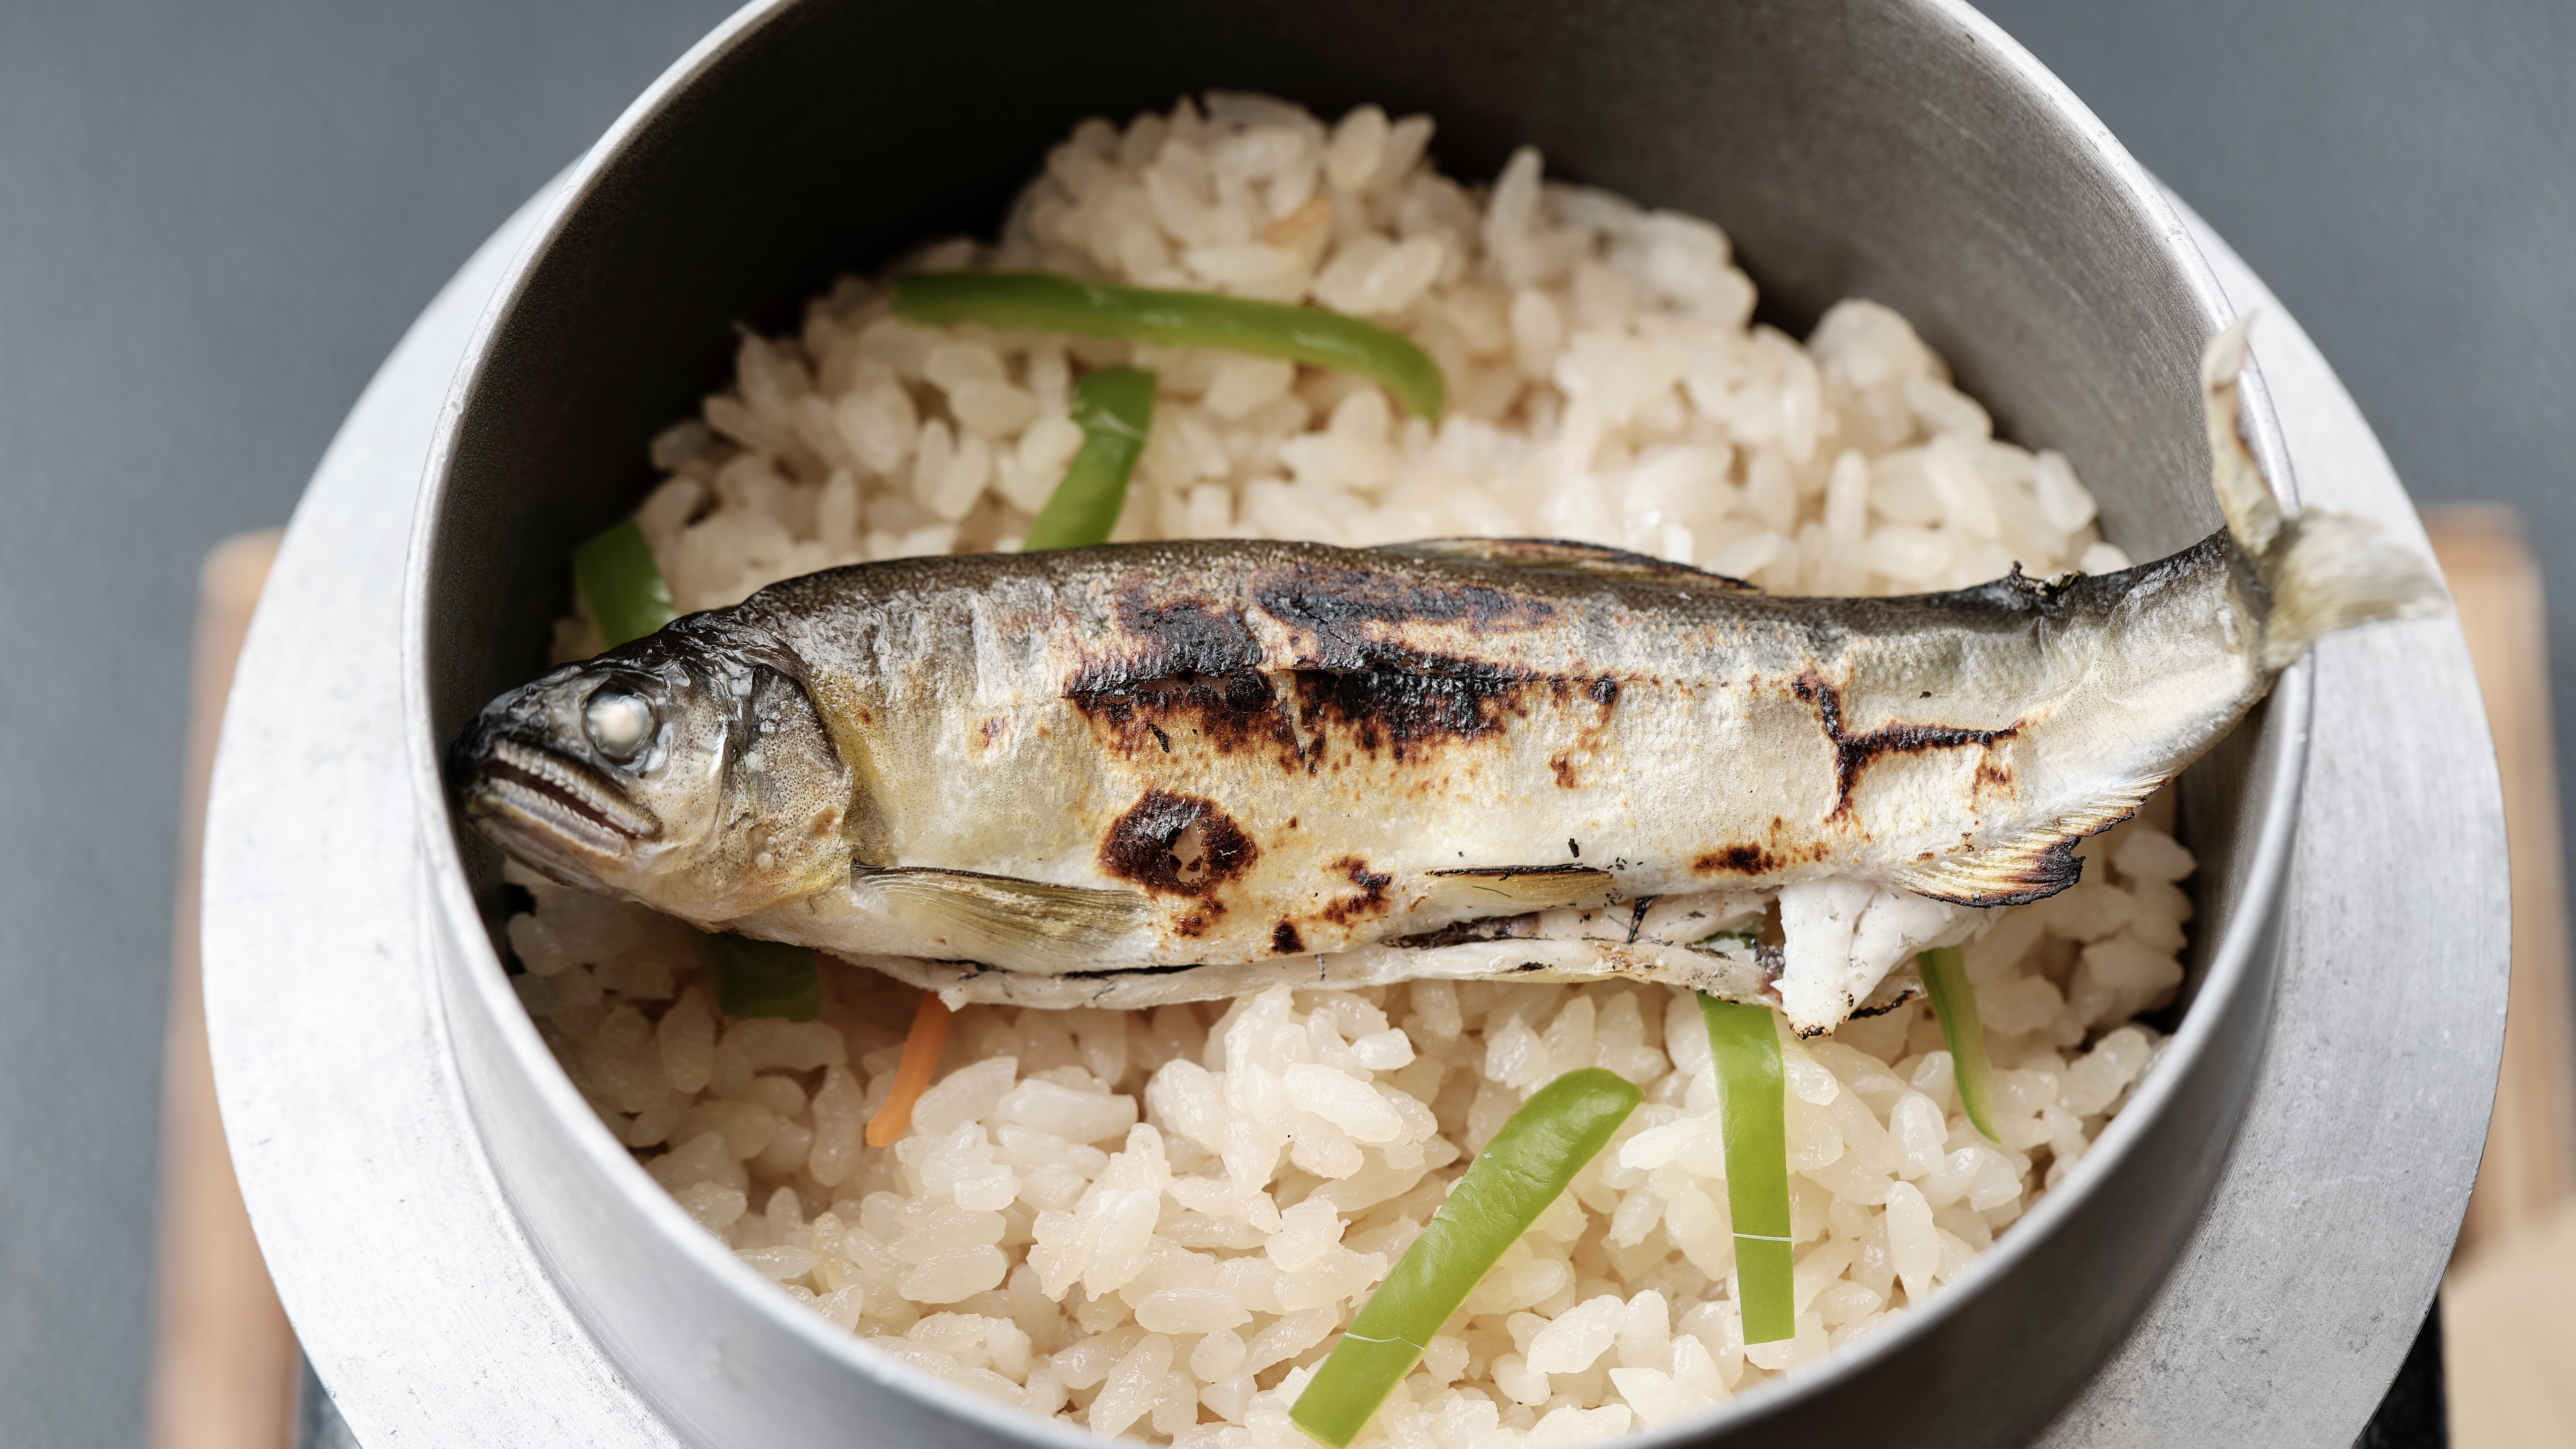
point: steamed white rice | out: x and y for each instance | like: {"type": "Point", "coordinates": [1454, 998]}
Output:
{"type": "Point", "coordinates": [1155, 1223]}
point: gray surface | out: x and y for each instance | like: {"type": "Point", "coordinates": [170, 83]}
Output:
{"type": "Point", "coordinates": [318, 1424]}
{"type": "Point", "coordinates": [215, 219]}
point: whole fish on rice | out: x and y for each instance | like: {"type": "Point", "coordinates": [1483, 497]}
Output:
{"type": "Point", "coordinates": [1134, 774]}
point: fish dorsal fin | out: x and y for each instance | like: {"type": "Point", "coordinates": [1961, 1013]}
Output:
{"type": "Point", "coordinates": [2029, 867]}
{"type": "Point", "coordinates": [1004, 920]}
{"type": "Point", "coordinates": [1511, 890]}
{"type": "Point", "coordinates": [1562, 556]}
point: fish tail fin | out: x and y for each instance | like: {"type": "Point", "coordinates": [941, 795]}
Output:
{"type": "Point", "coordinates": [2331, 571]}
{"type": "Point", "coordinates": [2325, 571]}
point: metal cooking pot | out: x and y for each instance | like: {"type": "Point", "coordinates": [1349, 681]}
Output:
{"type": "Point", "coordinates": [1903, 150]}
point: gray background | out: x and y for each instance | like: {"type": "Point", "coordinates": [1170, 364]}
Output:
{"type": "Point", "coordinates": [215, 219]}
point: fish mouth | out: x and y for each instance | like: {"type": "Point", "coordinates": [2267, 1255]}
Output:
{"type": "Point", "coordinates": [539, 797]}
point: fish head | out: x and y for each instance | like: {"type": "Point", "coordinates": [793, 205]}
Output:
{"type": "Point", "coordinates": [691, 774]}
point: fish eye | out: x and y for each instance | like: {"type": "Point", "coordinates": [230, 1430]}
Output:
{"type": "Point", "coordinates": [618, 722]}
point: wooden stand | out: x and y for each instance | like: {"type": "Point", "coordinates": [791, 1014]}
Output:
{"type": "Point", "coordinates": [2509, 1306]}
{"type": "Point", "coordinates": [224, 1363]}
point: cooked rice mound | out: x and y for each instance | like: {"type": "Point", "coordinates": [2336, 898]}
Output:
{"type": "Point", "coordinates": [1154, 1223]}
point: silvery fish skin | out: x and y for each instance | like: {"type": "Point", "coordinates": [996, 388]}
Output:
{"type": "Point", "coordinates": [1172, 771]}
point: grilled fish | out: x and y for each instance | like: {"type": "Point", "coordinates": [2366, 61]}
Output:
{"type": "Point", "coordinates": [1172, 771]}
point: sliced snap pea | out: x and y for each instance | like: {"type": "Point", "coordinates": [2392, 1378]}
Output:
{"type": "Point", "coordinates": [1753, 1121]}
{"type": "Point", "coordinates": [1542, 1146]}
{"type": "Point", "coordinates": [618, 578]}
{"type": "Point", "coordinates": [1954, 1005]}
{"type": "Point", "coordinates": [763, 978]}
{"type": "Point", "coordinates": [1043, 301]}
{"type": "Point", "coordinates": [1115, 408]}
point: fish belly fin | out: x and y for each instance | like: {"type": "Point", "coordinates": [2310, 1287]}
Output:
{"type": "Point", "coordinates": [1512, 890]}
{"type": "Point", "coordinates": [2028, 867]}
{"type": "Point", "coordinates": [1019, 925]}
{"type": "Point", "coordinates": [2325, 571]}
{"type": "Point", "coordinates": [1562, 556]}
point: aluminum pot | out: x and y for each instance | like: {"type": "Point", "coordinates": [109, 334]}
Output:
{"type": "Point", "coordinates": [1903, 150]}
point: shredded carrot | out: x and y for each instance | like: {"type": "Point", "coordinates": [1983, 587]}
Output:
{"type": "Point", "coordinates": [920, 1058]}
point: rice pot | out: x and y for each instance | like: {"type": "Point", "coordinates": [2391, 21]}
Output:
{"type": "Point", "coordinates": [1906, 152]}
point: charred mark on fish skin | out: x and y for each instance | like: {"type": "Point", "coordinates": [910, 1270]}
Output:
{"type": "Point", "coordinates": [1854, 753]}
{"type": "Point", "coordinates": [1190, 663]}
{"type": "Point", "coordinates": [1370, 901]}
{"type": "Point", "coordinates": [1186, 636]}
{"type": "Point", "coordinates": [1361, 664]}
{"type": "Point", "coordinates": [1406, 701]}
{"type": "Point", "coordinates": [1180, 845]}
{"type": "Point", "coordinates": [1604, 691]}
{"type": "Point", "coordinates": [1230, 713]}
{"type": "Point", "coordinates": [1757, 860]}
{"type": "Point", "coordinates": [1737, 860]}
{"type": "Point", "coordinates": [1285, 941]}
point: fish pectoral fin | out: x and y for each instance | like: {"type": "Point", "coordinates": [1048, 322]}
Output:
{"type": "Point", "coordinates": [2028, 867]}
{"type": "Point", "coordinates": [1510, 890]}
{"type": "Point", "coordinates": [1014, 924]}
{"type": "Point", "coordinates": [1561, 556]}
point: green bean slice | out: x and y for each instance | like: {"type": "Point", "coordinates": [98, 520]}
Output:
{"type": "Point", "coordinates": [762, 978]}
{"type": "Point", "coordinates": [1564, 1125]}
{"type": "Point", "coordinates": [1044, 301]}
{"type": "Point", "coordinates": [1954, 1005]}
{"type": "Point", "coordinates": [618, 578]}
{"type": "Point", "coordinates": [1115, 407]}
{"type": "Point", "coordinates": [1753, 1121]}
